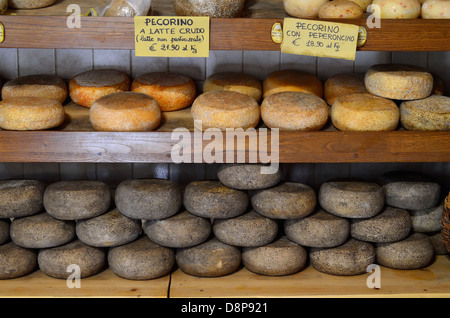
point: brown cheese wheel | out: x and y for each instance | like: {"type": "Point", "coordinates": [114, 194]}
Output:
{"type": "Point", "coordinates": [343, 84]}
{"type": "Point", "coordinates": [171, 91]}
{"type": "Point", "coordinates": [431, 113]}
{"type": "Point", "coordinates": [47, 86]}
{"type": "Point", "coordinates": [225, 109]}
{"type": "Point", "coordinates": [125, 111]}
{"type": "Point", "coordinates": [294, 81]}
{"type": "Point", "coordinates": [364, 112]}
{"type": "Point", "coordinates": [398, 81]}
{"type": "Point", "coordinates": [294, 111]}
{"type": "Point", "coordinates": [234, 81]}
{"type": "Point", "coordinates": [85, 88]}
{"type": "Point", "coordinates": [30, 113]}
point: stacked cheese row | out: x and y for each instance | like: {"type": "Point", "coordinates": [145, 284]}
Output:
{"type": "Point", "coordinates": [210, 228]}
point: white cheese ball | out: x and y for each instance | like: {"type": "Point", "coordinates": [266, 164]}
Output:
{"type": "Point", "coordinates": [303, 8]}
{"type": "Point", "coordinates": [435, 9]}
{"type": "Point", "coordinates": [398, 9]}
{"type": "Point", "coordinates": [340, 9]}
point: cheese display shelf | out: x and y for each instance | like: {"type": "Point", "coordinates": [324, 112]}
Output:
{"type": "Point", "coordinates": [33, 29]}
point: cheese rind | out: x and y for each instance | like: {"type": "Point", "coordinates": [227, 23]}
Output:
{"type": "Point", "coordinates": [210, 8]}
{"type": "Point", "coordinates": [340, 9]}
{"type": "Point", "coordinates": [398, 9]}
{"type": "Point", "coordinates": [29, 4]}
{"type": "Point", "coordinates": [343, 84]}
{"type": "Point", "coordinates": [435, 9]}
{"type": "Point", "coordinates": [303, 8]}
{"type": "Point", "coordinates": [431, 113]}
{"type": "Point", "coordinates": [234, 81]}
{"type": "Point", "coordinates": [292, 80]}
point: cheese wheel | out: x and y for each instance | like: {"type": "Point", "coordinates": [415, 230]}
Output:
{"type": "Point", "coordinates": [398, 81]}
{"type": "Point", "coordinates": [171, 91]}
{"type": "Point", "coordinates": [209, 8]}
{"type": "Point", "coordinates": [47, 86]}
{"type": "Point", "coordinates": [364, 112]}
{"type": "Point", "coordinates": [292, 80]}
{"type": "Point", "coordinates": [431, 113]}
{"type": "Point", "coordinates": [225, 109]}
{"type": "Point", "coordinates": [29, 4]}
{"type": "Point", "coordinates": [85, 88]}
{"type": "Point", "coordinates": [363, 4]}
{"type": "Point", "coordinates": [398, 9]}
{"type": "Point", "coordinates": [435, 9]}
{"type": "Point", "coordinates": [303, 8]}
{"type": "Point", "coordinates": [16, 261]}
{"type": "Point", "coordinates": [294, 111]}
{"type": "Point", "coordinates": [30, 113]}
{"type": "Point", "coordinates": [343, 84]}
{"type": "Point", "coordinates": [340, 9]}
{"type": "Point", "coordinates": [125, 111]}
{"type": "Point", "coordinates": [234, 81]}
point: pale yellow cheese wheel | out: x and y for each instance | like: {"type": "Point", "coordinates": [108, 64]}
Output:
{"type": "Point", "coordinates": [398, 9]}
{"type": "Point", "coordinates": [292, 81]}
{"type": "Point", "coordinates": [303, 8]}
{"type": "Point", "coordinates": [225, 109]}
{"type": "Point", "coordinates": [294, 111]}
{"type": "Point", "coordinates": [398, 81]}
{"type": "Point", "coordinates": [431, 113]}
{"type": "Point", "coordinates": [234, 81]}
{"type": "Point", "coordinates": [340, 9]}
{"type": "Point", "coordinates": [435, 9]}
{"type": "Point", "coordinates": [363, 4]}
{"type": "Point", "coordinates": [343, 84]}
{"type": "Point", "coordinates": [30, 113]}
{"type": "Point", "coordinates": [364, 112]}
{"type": "Point", "coordinates": [125, 111]}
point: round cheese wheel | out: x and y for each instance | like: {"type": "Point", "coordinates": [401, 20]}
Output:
{"type": "Point", "coordinates": [363, 4]}
{"type": "Point", "coordinates": [85, 88]}
{"type": "Point", "coordinates": [435, 9]}
{"type": "Point", "coordinates": [247, 176]}
{"type": "Point", "coordinates": [30, 113]}
{"type": "Point", "coordinates": [209, 8]}
{"type": "Point", "coordinates": [398, 9]}
{"type": "Point", "coordinates": [292, 80]}
{"type": "Point", "coordinates": [171, 91]}
{"type": "Point", "coordinates": [431, 113]}
{"type": "Point", "coordinates": [343, 84]}
{"type": "Point", "coordinates": [4, 230]}
{"type": "Point", "coordinates": [19, 198]}
{"type": "Point", "coordinates": [234, 81]}
{"type": "Point", "coordinates": [225, 109]}
{"type": "Point", "coordinates": [125, 111]}
{"type": "Point", "coordinates": [16, 261]}
{"type": "Point", "coordinates": [364, 112]}
{"type": "Point", "coordinates": [294, 111]}
{"type": "Point", "coordinates": [340, 9]}
{"type": "Point", "coordinates": [398, 81]}
{"type": "Point", "coordinates": [303, 8]}
{"type": "Point", "coordinates": [47, 86]}
{"type": "Point", "coordinates": [29, 4]}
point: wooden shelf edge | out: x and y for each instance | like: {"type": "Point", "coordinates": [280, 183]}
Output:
{"type": "Point", "coordinates": [153, 147]}
{"type": "Point", "coordinates": [226, 34]}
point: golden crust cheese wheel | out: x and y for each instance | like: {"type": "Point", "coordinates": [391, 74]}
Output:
{"type": "Point", "coordinates": [46, 86]}
{"type": "Point", "coordinates": [343, 84]}
{"type": "Point", "coordinates": [398, 81]}
{"type": "Point", "coordinates": [171, 91]}
{"type": "Point", "coordinates": [363, 4]}
{"type": "Point", "coordinates": [398, 9]}
{"type": "Point", "coordinates": [340, 9]}
{"type": "Point", "coordinates": [303, 8]}
{"type": "Point", "coordinates": [293, 81]}
{"type": "Point", "coordinates": [294, 111]}
{"type": "Point", "coordinates": [125, 111]}
{"type": "Point", "coordinates": [85, 88]}
{"type": "Point", "coordinates": [435, 9]}
{"type": "Point", "coordinates": [30, 113]}
{"type": "Point", "coordinates": [364, 112]}
{"type": "Point", "coordinates": [225, 109]}
{"type": "Point", "coordinates": [431, 113]}
{"type": "Point", "coordinates": [234, 81]}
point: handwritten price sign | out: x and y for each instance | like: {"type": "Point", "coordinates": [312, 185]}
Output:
{"type": "Point", "coordinates": [171, 36]}
{"type": "Point", "coordinates": [319, 38]}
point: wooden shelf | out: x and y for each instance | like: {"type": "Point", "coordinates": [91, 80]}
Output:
{"type": "Point", "coordinates": [34, 29]}
{"type": "Point", "coordinates": [432, 281]}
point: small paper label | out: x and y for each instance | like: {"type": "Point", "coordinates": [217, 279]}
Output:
{"type": "Point", "coordinates": [319, 38]}
{"type": "Point", "coordinates": [171, 36]}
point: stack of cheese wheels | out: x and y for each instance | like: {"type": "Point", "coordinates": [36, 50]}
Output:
{"type": "Point", "coordinates": [292, 80]}
{"type": "Point", "coordinates": [234, 81]}
{"type": "Point", "coordinates": [431, 113]}
{"type": "Point", "coordinates": [85, 88]}
{"type": "Point", "coordinates": [171, 91]}
{"type": "Point", "coordinates": [435, 9]}
{"type": "Point", "coordinates": [294, 111]}
{"type": "Point", "coordinates": [340, 9]}
{"type": "Point", "coordinates": [125, 111]}
{"type": "Point", "coordinates": [398, 81]}
{"type": "Point", "coordinates": [47, 86]}
{"type": "Point", "coordinates": [364, 112]}
{"type": "Point", "coordinates": [343, 84]}
{"type": "Point", "coordinates": [225, 109]}
{"type": "Point", "coordinates": [398, 9]}
{"type": "Point", "coordinates": [303, 8]}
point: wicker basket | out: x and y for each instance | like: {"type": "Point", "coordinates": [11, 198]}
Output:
{"type": "Point", "coordinates": [446, 223]}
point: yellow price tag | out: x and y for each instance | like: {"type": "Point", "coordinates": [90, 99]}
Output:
{"type": "Point", "coordinates": [170, 36]}
{"type": "Point", "coordinates": [319, 38]}
{"type": "Point", "coordinates": [2, 33]}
